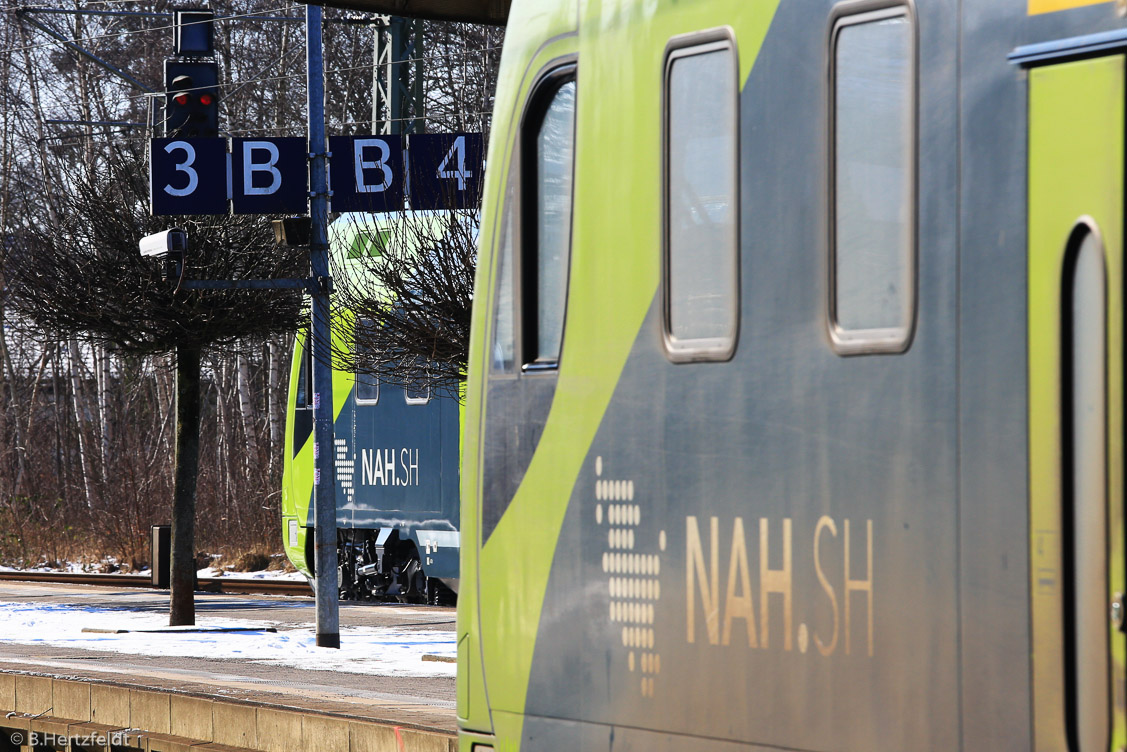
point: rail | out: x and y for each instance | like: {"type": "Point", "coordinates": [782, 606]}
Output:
{"type": "Point", "coordinates": [208, 584]}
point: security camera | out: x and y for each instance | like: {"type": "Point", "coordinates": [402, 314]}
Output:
{"type": "Point", "coordinates": [168, 248]}
{"type": "Point", "coordinates": [170, 243]}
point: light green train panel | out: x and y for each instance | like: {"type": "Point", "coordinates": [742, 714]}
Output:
{"type": "Point", "coordinates": [1076, 192]}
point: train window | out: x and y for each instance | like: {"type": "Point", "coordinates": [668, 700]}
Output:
{"type": "Point", "coordinates": [1083, 514]}
{"type": "Point", "coordinates": [304, 376]}
{"type": "Point", "coordinates": [873, 148]}
{"type": "Point", "coordinates": [504, 339]}
{"type": "Point", "coordinates": [701, 259]}
{"type": "Point", "coordinates": [417, 394]}
{"type": "Point", "coordinates": [417, 391]}
{"type": "Point", "coordinates": [367, 389]}
{"type": "Point", "coordinates": [367, 385]}
{"type": "Point", "coordinates": [547, 161]}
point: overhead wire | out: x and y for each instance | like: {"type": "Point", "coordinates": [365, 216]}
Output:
{"type": "Point", "coordinates": [295, 76]}
{"type": "Point", "coordinates": [258, 77]}
{"type": "Point", "coordinates": [257, 15]}
{"type": "Point", "coordinates": [129, 32]}
{"type": "Point", "coordinates": [300, 126]}
{"type": "Point", "coordinates": [280, 129]}
{"type": "Point", "coordinates": [243, 16]}
{"type": "Point", "coordinates": [464, 54]}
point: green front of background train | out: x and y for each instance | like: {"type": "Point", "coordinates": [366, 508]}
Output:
{"type": "Point", "coordinates": [396, 452]}
{"type": "Point", "coordinates": [764, 438]}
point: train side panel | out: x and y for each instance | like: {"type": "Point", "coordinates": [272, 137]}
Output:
{"type": "Point", "coordinates": [777, 508]}
{"type": "Point", "coordinates": [297, 465]}
{"type": "Point", "coordinates": [819, 542]}
{"type": "Point", "coordinates": [997, 534]}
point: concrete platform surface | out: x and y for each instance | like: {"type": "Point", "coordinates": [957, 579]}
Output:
{"type": "Point", "coordinates": [115, 717]}
{"type": "Point", "coordinates": [205, 701]}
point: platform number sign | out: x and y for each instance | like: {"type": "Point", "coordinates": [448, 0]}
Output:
{"type": "Point", "coordinates": [366, 173]}
{"type": "Point", "coordinates": [188, 176]}
{"type": "Point", "coordinates": [446, 170]}
{"type": "Point", "coordinates": [271, 175]}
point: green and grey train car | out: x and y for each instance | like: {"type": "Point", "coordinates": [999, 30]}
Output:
{"type": "Point", "coordinates": [397, 456]}
{"type": "Point", "coordinates": [796, 405]}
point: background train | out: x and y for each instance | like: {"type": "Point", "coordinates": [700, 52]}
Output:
{"type": "Point", "coordinates": [397, 455]}
{"type": "Point", "coordinates": [796, 404]}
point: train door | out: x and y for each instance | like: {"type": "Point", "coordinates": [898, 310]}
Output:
{"type": "Point", "coordinates": [534, 263]}
{"type": "Point", "coordinates": [1076, 426]}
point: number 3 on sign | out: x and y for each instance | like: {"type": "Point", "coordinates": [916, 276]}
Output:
{"type": "Point", "coordinates": [188, 176]}
{"type": "Point", "coordinates": [458, 150]}
{"type": "Point", "coordinates": [185, 166]}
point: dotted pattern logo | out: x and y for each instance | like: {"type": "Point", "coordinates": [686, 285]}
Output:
{"type": "Point", "coordinates": [345, 463]}
{"type": "Point", "coordinates": [632, 570]}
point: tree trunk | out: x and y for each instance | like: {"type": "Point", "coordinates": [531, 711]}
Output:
{"type": "Point", "coordinates": [182, 605]}
{"type": "Point", "coordinates": [166, 400]}
{"type": "Point", "coordinates": [249, 419]}
{"type": "Point", "coordinates": [80, 428]}
{"type": "Point", "coordinates": [102, 382]}
{"type": "Point", "coordinates": [13, 406]}
{"type": "Point", "coordinates": [275, 403]}
{"type": "Point", "coordinates": [62, 468]}
{"type": "Point", "coordinates": [224, 474]}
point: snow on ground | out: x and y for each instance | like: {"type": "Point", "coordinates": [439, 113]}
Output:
{"type": "Point", "coordinates": [378, 651]}
{"type": "Point", "coordinates": [265, 574]}
{"type": "Point", "coordinates": [70, 567]}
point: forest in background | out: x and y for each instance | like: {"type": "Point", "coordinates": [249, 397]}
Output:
{"type": "Point", "coordinates": [86, 431]}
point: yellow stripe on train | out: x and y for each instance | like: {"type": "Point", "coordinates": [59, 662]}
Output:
{"type": "Point", "coordinates": [1036, 7]}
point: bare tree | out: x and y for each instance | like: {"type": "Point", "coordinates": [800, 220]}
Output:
{"type": "Point", "coordinates": [86, 427]}
{"type": "Point", "coordinates": [84, 276]}
{"type": "Point", "coordinates": [410, 295]}
{"type": "Point", "coordinates": [411, 300]}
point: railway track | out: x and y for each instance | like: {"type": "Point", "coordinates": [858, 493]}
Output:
{"type": "Point", "coordinates": [209, 584]}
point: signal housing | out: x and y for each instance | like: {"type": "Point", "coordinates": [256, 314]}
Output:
{"type": "Point", "coordinates": [191, 98]}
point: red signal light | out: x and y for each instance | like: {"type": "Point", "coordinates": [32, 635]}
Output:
{"type": "Point", "coordinates": [181, 99]}
{"type": "Point", "coordinates": [206, 99]}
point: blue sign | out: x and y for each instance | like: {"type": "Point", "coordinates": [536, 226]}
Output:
{"type": "Point", "coordinates": [446, 170]}
{"type": "Point", "coordinates": [269, 175]}
{"type": "Point", "coordinates": [188, 176]}
{"type": "Point", "coordinates": [366, 173]}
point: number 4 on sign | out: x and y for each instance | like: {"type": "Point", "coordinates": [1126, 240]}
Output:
{"type": "Point", "coordinates": [458, 151]}
{"type": "Point", "coordinates": [445, 170]}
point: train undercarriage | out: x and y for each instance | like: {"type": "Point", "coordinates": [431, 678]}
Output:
{"type": "Point", "coordinates": [386, 567]}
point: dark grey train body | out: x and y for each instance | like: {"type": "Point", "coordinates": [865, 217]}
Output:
{"type": "Point", "coordinates": [796, 547]}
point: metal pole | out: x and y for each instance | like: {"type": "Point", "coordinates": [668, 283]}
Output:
{"type": "Point", "coordinates": [396, 73]}
{"type": "Point", "coordinates": [377, 32]}
{"type": "Point", "coordinates": [324, 474]}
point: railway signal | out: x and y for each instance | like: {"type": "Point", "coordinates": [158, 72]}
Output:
{"type": "Point", "coordinates": [191, 98]}
{"type": "Point", "coordinates": [191, 78]}
{"type": "Point", "coordinates": [192, 32]}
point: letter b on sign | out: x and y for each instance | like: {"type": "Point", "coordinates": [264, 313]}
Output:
{"type": "Point", "coordinates": [261, 157]}
{"type": "Point", "coordinates": [366, 173]}
{"type": "Point", "coordinates": [269, 175]}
